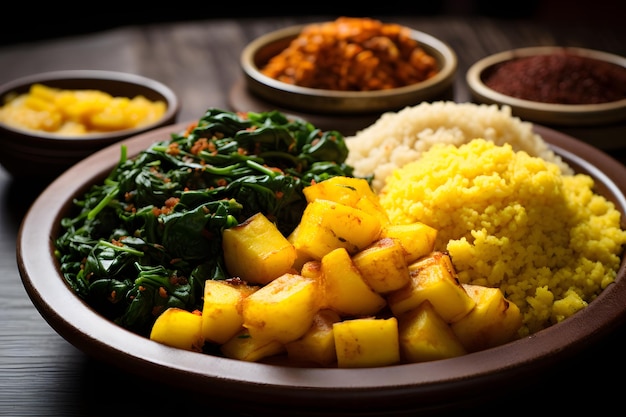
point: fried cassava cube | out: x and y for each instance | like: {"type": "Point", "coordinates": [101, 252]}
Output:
{"type": "Point", "coordinates": [179, 328]}
{"type": "Point", "coordinates": [433, 278]}
{"type": "Point", "coordinates": [418, 239]}
{"type": "Point", "coordinates": [340, 189]}
{"type": "Point", "coordinates": [350, 191]}
{"type": "Point", "coordinates": [301, 256]}
{"type": "Point", "coordinates": [343, 287]}
{"type": "Point", "coordinates": [493, 321]}
{"type": "Point", "coordinates": [383, 265]}
{"type": "Point", "coordinates": [425, 336]}
{"type": "Point", "coordinates": [283, 310]}
{"type": "Point", "coordinates": [317, 345]}
{"type": "Point", "coordinates": [327, 225]}
{"type": "Point", "coordinates": [256, 251]}
{"type": "Point", "coordinates": [221, 312]}
{"type": "Point", "coordinates": [366, 342]}
{"type": "Point", "coordinates": [247, 348]}
{"type": "Point", "coordinates": [374, 208]}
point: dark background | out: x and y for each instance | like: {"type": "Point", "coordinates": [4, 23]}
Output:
{"type": "Point", "coordinates": [25, 21]}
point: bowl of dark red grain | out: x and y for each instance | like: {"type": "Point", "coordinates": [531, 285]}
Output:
{"type": "Point", "coordinates": [347, 71]}
{"type": "Point", "coordinates": [577, 90]}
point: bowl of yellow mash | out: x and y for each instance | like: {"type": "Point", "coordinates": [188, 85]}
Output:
{"type": "Point", "coordinates": [50, 121]}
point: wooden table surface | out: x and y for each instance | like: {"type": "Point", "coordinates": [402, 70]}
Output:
{"type": "Point", "coordinates": [43, 375]}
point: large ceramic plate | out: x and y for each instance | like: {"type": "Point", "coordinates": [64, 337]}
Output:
{"type": "Point", "coordinates": [395, 390]}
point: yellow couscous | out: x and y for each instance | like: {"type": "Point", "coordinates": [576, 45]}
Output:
{"type": "Point", "coordinates": [513, 221]}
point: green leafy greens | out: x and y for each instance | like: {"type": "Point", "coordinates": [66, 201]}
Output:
{"type": "Point", "coordinates": [149, 236]}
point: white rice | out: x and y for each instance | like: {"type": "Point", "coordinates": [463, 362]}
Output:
{"type": "Point", "coordinates": [400, 137]}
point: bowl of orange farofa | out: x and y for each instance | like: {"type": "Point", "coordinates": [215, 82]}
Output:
{"type": "Point", "coordinates": [348, 66]}
{"type": "Point", "coordinates": [52, 120]}
{"type": "Point", "coordinates": [501, 245]}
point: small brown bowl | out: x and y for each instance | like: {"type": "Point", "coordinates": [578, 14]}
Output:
{"type": "Point", "coordinates": [323, 101]}
{"type": "Point", "coordinates": [42, 155]}
{"type": "Point", "coordinates": [602, 124]}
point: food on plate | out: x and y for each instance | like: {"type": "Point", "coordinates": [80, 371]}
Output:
{"type": "Point", "coordinates": [326, 313]}
{"type": "Point", "coordinates": [253, 233]}
{"type": "Point", "coordinates": [344, 289]}
{"type": "Point", "coordinates": [477, 330]}
{"type": "Point", "coordinates": [383, 265]}
{"type": "Point", "coordinates": [269, 257]}
{"type": "Point", "coordinates": [179, 328]}
{"type": "Point", "coordinates": [221, 315]}
{"type": "Point", "coordinates": [367, 342]}
{"type": "Point", "coordinates": [433, 279]}
{"type": "Point", "coordinates": [317, 345]}
{"type": "Point", "coordinates": [150, 235]}
{"type": "Point", "coordinates": [514, 222]}
{"type": "Point", "coordinates": [400, 137]}
{"type": "Point", "coordinates": [78, 112]}
{"type": "Point", "coordinates": [352, 54]}
{"type": "Point", "coordinates": [326, 225]}
{"type": "Point", "coordinates": [283, 310]}
{"type": "Point", "coordinates": [246, 348]}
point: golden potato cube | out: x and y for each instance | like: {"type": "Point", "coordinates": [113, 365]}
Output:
{"type": "Point", "coordinates": [353, 192]}
{"type": "Point", "coordinates": [179, 328]}
{"type": "Point", "coordinates": [425, 336]}
{"type": "Point", "coordinates": [383, 265]}
{"type": "Point", "coordinates": [343, 287]}
{"type": "Point", "coordinates": [494, 320]}
{"type": "Point", "coordinates": [340, 189]}
{"type": "Point", "coordinates": [366, 342]}
{"type": "Point", "coordinates": [256, 251]}
{"type": "Point", "coordinates": [317, 345]}
{"type": "Point", "coordinates": [433, 278]}
{"type": "Point", "coordinates": [283, 310]}
{"type": "Point", "coordinates": [327, 225]}
{"type": "Point", "coordinates": [221, 311]}
{"type": "Point", "coordinates": [418, 239]}
{"type": "Point", "coordinates": [373, 207]}
{"type": "Point", "coordinates": [246, 348]}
